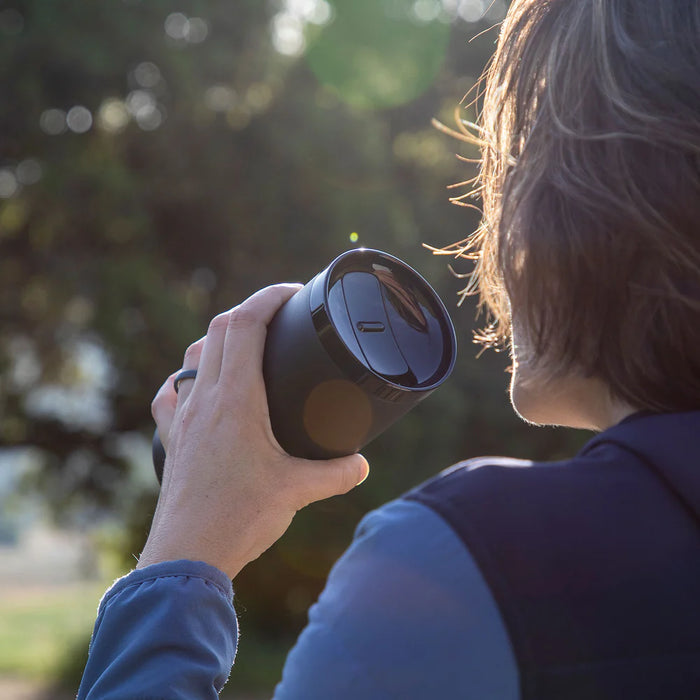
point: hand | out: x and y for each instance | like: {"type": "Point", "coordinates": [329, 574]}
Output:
{"type": "Point", "coordinates": [229, 490]}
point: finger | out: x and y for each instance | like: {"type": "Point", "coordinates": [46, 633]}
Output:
{"type": "Point", "coordinates": [247, 327]}
{"type": "Point", "coordinates": [319, 479]}
{"type": "Point", "coordinates": [213, 350]}
{"type": "Point", "coordinates": [190, 361]}
{"type": "Point", "coordinates": [163, 408]}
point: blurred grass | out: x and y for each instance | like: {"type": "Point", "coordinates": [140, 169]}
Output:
{"type": "Point", "coordinates": [40, 625]}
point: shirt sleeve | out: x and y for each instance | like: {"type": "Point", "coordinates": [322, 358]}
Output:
{"type": "Point", "coordinates": [168, 630]}
{"type": "Point", "coordinates": [405, 614]}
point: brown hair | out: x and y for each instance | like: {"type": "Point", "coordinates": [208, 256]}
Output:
{"type": "Point", "coordinates": [590, 181]}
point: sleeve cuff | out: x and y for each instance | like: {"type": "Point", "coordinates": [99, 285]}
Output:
{"type": "Point", "coordinates": [179, 567]}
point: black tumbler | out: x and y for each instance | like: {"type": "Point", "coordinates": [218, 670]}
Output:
{"type": "Point", "coordinates": [357, 347]}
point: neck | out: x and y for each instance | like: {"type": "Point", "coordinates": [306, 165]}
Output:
{"type": "Point", "coordinates": [575, 402]}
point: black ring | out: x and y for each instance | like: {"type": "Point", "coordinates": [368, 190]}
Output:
{"type": "Point", "coordinates": [183, 374]}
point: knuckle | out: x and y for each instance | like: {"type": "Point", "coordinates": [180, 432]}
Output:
{"type": "Point", "coordinates": [242, 318]}
{"type": "Point", "coordinates": [194, 350]}
{"type": "Point", "coordinates": [219, 321]}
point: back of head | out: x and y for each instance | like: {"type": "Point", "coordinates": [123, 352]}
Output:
{"type": "Point", "coordinates": [591, 189]}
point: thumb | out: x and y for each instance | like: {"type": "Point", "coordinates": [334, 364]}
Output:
{"type": "Point", "coordinates": [319, 479]}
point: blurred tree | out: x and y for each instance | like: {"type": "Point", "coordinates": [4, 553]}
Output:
{"type": "Point", "coordinates": [160, 161]}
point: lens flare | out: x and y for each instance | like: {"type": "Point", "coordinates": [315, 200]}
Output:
{"type": "Point", "coordinates": [337, 415]}
{"type": "Point", "coordinates": [375, 55]}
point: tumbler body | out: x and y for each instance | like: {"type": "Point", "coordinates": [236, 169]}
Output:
{"type": "Point", "coordinates": [354, 350]}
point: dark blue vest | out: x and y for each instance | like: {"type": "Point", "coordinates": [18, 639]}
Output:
{"type": "Point", "coordinates": [594, 562]}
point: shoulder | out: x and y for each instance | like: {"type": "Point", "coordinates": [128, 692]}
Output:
{"type": "Point", "coordinates": [403, 609]}
{"type": "Point", "coordinates": [409, 553]}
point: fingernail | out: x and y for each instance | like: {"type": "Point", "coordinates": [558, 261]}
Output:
{"type": "Point", "coordinates": [365, 473]}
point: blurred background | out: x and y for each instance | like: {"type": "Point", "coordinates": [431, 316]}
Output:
{"type": "Point", "coordinates": [159, 161]}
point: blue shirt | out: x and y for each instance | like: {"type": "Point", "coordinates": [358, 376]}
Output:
{"type": "Point", "coordinates": [405, 614]}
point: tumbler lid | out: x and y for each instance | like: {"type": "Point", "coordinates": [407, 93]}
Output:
{"type": "Point", "coordinates": [389, 319]}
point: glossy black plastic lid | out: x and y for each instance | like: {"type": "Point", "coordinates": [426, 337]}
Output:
{"type": "Point", "coordinates": [389, 319]}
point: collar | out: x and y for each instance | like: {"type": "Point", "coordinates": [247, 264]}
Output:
{"type": "Point", "coordinates": [669, 443]}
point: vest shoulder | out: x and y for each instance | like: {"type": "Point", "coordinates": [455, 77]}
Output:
{"type": "Point", "coordinates": [482, 471]}
{"type": "Point", "coordinates": [508, 480]}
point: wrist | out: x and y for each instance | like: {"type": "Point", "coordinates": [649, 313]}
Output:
{"type": "Point", "coordinates": [161, 550]}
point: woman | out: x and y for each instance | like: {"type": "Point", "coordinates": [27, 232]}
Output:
{"type": "Point", "coordinates": [499, 578]}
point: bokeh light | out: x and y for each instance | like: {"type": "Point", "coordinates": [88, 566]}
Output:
{"type": "Point", "coordinates": [184, 30]}
{"type": "Point", "coordinates": [53, 121]}
{"type": "Point", "coordinates": [219, 98]}
{"type": "Point", "coordinates": [151, 120]}
{"type": "Point", "coordinates": [176, 26]}
{"type": "Point", "coordinates": [258, 97]}
{"type": "Point", "coordinates": [79, 311]}
{"type": "Point", "coordinates": [427, 10]}
{"type": "Point", "coordinates": [476, 10]}
{"type": "Point", "coordinates": [79, 119]}
{"type": "Point", "coordinates": [471, 10]}
{"type": "Point", "coordinates": [312, 11]}
{"type": "Point", "coordinates": [496, 10]}
{"type": "Point", "coordinates": [140, 102]}
{"type": "Point", "coordinates": [144, 108]}
{"type": "Point", "coordinates": [8, 183]}
{"type": "Point", "coordinates": [197, 31]}
{"type": "Point", "coordinates": [204, 278]}
{"type": "Point", "coordinates": [288, 34]}
{"type": "Point", "coordinates": [147, 74]}
{"type": "Point", "coordinates": [29, 171]}
{"type": "Point", "coordinates": [113, 115]}
{"type": "Point", "coordinates": [288, 26]}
